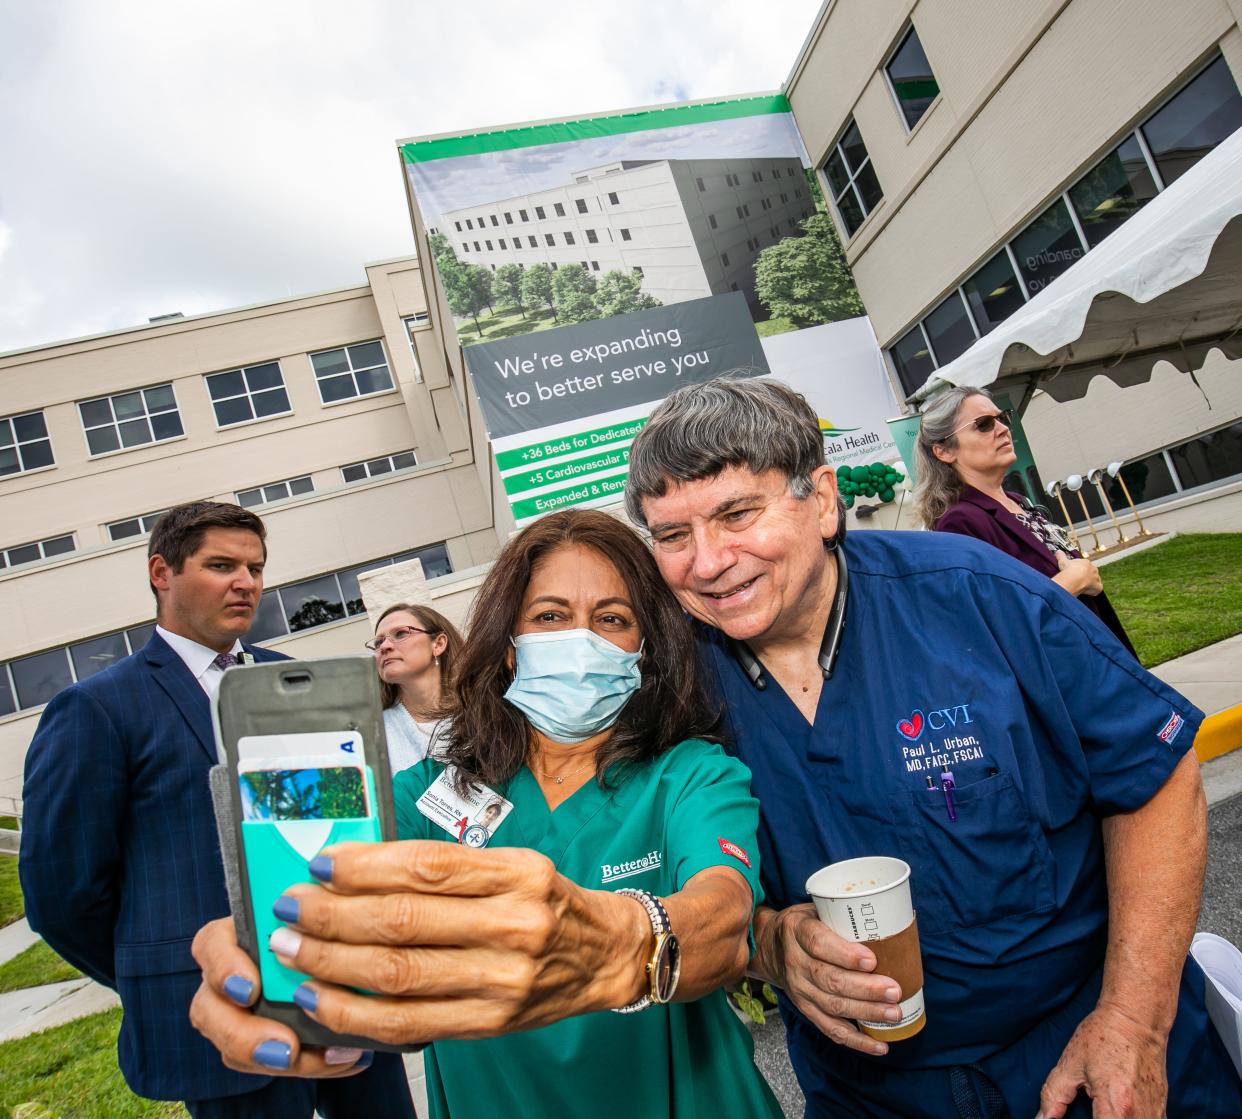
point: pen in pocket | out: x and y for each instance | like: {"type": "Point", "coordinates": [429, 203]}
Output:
{"type": "Point", "coordinates": [947, 784]}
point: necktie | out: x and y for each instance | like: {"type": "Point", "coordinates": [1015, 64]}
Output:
{"type": "Point", "coordinates": [225, 660]}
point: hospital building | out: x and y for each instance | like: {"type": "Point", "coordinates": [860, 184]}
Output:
{"type": "Point", "coordinates": [690, 228]}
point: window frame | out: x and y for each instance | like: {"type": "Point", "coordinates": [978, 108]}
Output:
{"type": "Point", "coordinates": [900, 42]}
{"type": "Point", "coordinates": [116, 424]}
{"type": "Point", "coordinates": [836, 148]}
{"type": "Point", "coordinates": [387, 363]}
{"type": "Point", "coordinates": [17, 444]}
{"type": "Point", "coordinates": [247, 394]}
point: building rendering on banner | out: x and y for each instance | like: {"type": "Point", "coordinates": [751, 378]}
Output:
{"type": "Point", "coordinates": [333, 416]}
{"type": "Point", "coordinates": [690, 228]}
{"type": "Point", "coordinates": [965, 173]}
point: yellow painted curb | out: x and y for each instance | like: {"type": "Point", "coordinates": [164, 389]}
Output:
{"type": "Point", "coordinates": [1219, 734]}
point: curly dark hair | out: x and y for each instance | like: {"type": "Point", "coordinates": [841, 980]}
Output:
{"type": "Point", "coordinates": [489, 739]}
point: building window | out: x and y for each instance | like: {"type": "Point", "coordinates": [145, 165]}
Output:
{"type": "Point", "coordinates": [1113, 191]}
{"type": "Point", "coordinates": [457, 225]}
{"type": "Point", "coordinates": [508, 218]}
{"type": "Point", "coordinates": [711, 220]}
{"type": "Point", "coordinates": [852, 180]}
{"type": "Point", "coordinates": [533, 243]}
{"type": "Point", "coordinates": [476, 247]}
{"type": "Point", "coordinates": [275, 491]}
{"type": "Point", "coordinates": [493, 217]}
{"type": "Point", "coordinates": [501, 243]}
{"type": "Point", "coordinates": [482, 221]}
{"type": "Point", "coordinates": [625, 235]}
{"type": "Point", "coordinates": [637, 270]}
{"type": "Point", "coordinates": [39, 677]}
{"type": "Point", "coordinates": [133, 527]}
{"type": "Point", "coordinates": [581, 204]}
{"type": "Point", "coordinates": [523, 215]}
{"type": "Point", "coordinates": [489, 245]}
{"type": "Point", "coordinates": [373, 468]}
{"type": "Point", "coordinates": [911, 79]}
{"type": "Point", "coordinates": [539, 213]}
{"type": "Point", "coordinates": [465, 248]}
{"type": "Point", "coordinates": [724, 259]}
{"type": "Point", "coordinates": [351, 371]}
{"type": "Point", "coordinates": [699, 184]}
{"type": "Point", "coordinates": [595, 266]}
{"type": "Point", "coordinates": [739, 213]}
{"type": "Point", "coordinates": [559, 207]}
{"type": "Point", "coordinates": [912, 358]}
{"type": "Point", "coordinates": [130, 419]}
{"type": "Point", "coordinates": [1194, 121]}
{"type": "Point", "coordinates": [549, 238]}
{"type": "Point", "coordinates": [993, 292]}
{"type": "Point", "coordinates": [38, 550]}
{"type": "Point", "coordinates": [1209, 458]}
{"type": "Point", "coordinates": [612, 197]}
{"type": "Point", "coordinates": [756, 177]}
{"type": "Point", "coordinates": [251, 393]}
{"type": "Point", "coordinates": [24, 444]}
{"type": "Point", "coordinates": [569, 238]}
{"type": "Point", "coordinates": [949, 329]}
{"type": "Point", "coordinates": [1046, 248]}
{"type": "Point", "coordinates": [592, 237]}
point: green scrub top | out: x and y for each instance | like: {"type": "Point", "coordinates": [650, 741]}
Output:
{"type": "Point", "coordinates": [658, 825]}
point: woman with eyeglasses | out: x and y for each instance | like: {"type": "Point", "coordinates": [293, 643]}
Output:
{"type": "Point", "coordinates": [414, 648]}
{"type": "Point", "coordinates": [964, 450]}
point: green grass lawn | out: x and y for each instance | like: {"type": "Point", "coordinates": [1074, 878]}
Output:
{"type": "Point", "coordinates": [1180, 595]}
{"type": "Point", "coordinates": [9, 822]}
{"type": "Point", "coordinates": [37, 965]}
{"type": "Point", "coordinates": [773, 326]}
{"type": "Point", "coordinates": [503, 324]}
{"type": "Point", "coordinates": [71, 1070]}
{"type": "Point", "coordinates": [11, 904]}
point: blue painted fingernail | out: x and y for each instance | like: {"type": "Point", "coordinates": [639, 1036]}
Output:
{"type": "Point", "coordinates": [286, 909]}
{"type": "Point", "coordinates": [306, 998]}
{"type": "Point", "coordinates": [239, 989]}
{"type": "Point", "coordinates": [321, 867]}
{"type": "Point", "coordinates": [368, 1055]}
{"type": "Point", "coordinates": [273, 1054]}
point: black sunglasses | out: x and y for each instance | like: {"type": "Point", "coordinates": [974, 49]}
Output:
{"type": "Point", "coordinates": [984, 424]}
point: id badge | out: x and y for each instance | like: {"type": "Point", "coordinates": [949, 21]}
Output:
{"type": "Point", "coordinates": [470, 818]}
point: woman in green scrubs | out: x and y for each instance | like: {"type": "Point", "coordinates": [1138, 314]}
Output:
{"type": "Point", "coordinates": [576, 711]}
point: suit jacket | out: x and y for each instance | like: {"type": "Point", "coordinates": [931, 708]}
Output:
{"type": "Point", "coordinates": [984, 518]}
{"type": "Point", "coordinates": [120, 862]}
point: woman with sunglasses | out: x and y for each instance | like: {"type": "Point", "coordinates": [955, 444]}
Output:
{"type": "Point", "coordinates": [414, 648]}
{"type": "Point", "coordinates": [963, 452]}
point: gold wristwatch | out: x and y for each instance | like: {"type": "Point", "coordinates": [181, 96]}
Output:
{"type": "Point", "coordinates": [664, 967]}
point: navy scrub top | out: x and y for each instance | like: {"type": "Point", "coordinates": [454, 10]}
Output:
{"type": "Point", "coordinates": [956, 658]}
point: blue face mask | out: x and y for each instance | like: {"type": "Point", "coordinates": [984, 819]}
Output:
{"type": "Point", "coordinates": [571, 684]}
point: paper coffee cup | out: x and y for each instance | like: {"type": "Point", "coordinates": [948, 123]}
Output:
{"type": "Point", "coordinates": [868, 900]}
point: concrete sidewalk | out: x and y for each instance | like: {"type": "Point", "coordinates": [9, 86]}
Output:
{"type": "Point", "coordinates": [1211, 679]}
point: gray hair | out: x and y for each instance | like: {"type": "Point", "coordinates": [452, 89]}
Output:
{"type": "Point", "coordinates": [939, 485]}
{"type": "Point", "coordinates": [700, 430]}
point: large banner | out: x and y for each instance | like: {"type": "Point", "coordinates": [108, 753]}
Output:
{"type": "Point", "coordinates": [594, 265]}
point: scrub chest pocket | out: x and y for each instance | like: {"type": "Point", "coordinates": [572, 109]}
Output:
{"type": "Point", "coordinates": [992, 861]}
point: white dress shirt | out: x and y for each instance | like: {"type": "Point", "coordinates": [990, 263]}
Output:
{"type": "Point", "coordinates": [198, 659]}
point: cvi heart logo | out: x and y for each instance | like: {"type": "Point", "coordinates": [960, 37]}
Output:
{"type": "Point", "coordinates": [912, 727]}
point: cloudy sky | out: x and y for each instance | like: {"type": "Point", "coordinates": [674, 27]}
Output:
{"type": "Point", "coordinates": [176, 156]}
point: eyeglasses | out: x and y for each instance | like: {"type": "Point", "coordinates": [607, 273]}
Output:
{"type": "Point", "coordinates": [984, 424]}
{"type": "Point", "coordinates": [396, 636]}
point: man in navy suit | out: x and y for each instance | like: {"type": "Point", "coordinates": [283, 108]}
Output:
{"type": "Point", "coordinates": [120, 862]}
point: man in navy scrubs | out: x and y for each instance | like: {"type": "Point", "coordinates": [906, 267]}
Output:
{"type": "Point", "coordinates": [925, 696]}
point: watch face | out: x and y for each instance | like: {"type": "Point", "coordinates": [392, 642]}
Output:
{"type": "Point", "coordinates": [666, 970]}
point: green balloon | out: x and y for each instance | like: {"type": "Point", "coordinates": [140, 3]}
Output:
{"type": "Point", "coordinates": [849, 501]}
{"type": "Point", "coordinates": [843, 473]}
{"type": "Point", "coordinates": [877, 469]}
{"type": "Point", "coordinates": [886, 494]}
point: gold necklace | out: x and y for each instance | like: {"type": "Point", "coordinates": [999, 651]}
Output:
{"type": "Point", "coordinates": [561, 779]}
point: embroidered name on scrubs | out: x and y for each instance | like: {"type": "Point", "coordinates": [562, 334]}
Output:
{"type": "Point", "coordinates": [470, 819]}
{"type": "Point", "coordinates": [611, 872]}
{"type": "Point", "coordinates": [939, 739]}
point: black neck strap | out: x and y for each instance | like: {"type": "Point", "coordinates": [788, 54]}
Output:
{"type": "Point", "coordinates": [829, 647]}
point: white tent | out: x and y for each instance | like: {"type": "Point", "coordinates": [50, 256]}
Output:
{"type": "Point", "coordinates": [1166, 286]}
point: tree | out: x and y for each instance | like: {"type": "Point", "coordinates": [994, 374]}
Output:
{"type": "Point", "coordinates": [468, 289]}
{"type": "Point", "coordinates": [507, 286]}
{"type": "Point", "coordinates": [340, 794]}
{"type": "Point", "coordinates": [440, 247]}
{"type": "Point", "coordinates": [805, 279]}
{"type": "Point", "coordinates": [537, 288]}
{"type": "Point", "coordinates": [573, 288]}
{"type": "Point", "coordinates": [619, 292]}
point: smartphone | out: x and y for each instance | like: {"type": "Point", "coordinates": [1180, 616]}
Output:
{"type": "Point", "coordinates": [303, 764]}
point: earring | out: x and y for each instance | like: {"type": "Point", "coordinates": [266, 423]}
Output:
{"type": "Point", "coordinates": [436, 659]}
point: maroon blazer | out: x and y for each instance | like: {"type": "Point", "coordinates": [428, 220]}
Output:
{"type": "Point", "coordinates": [984, 518]}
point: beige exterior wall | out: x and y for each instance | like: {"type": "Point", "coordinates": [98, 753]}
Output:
{"type": "Point", "coordinates": [101, 587]}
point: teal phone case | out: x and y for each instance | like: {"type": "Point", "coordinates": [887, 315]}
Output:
{"type": "Point", "coordinates": [273, 865]}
